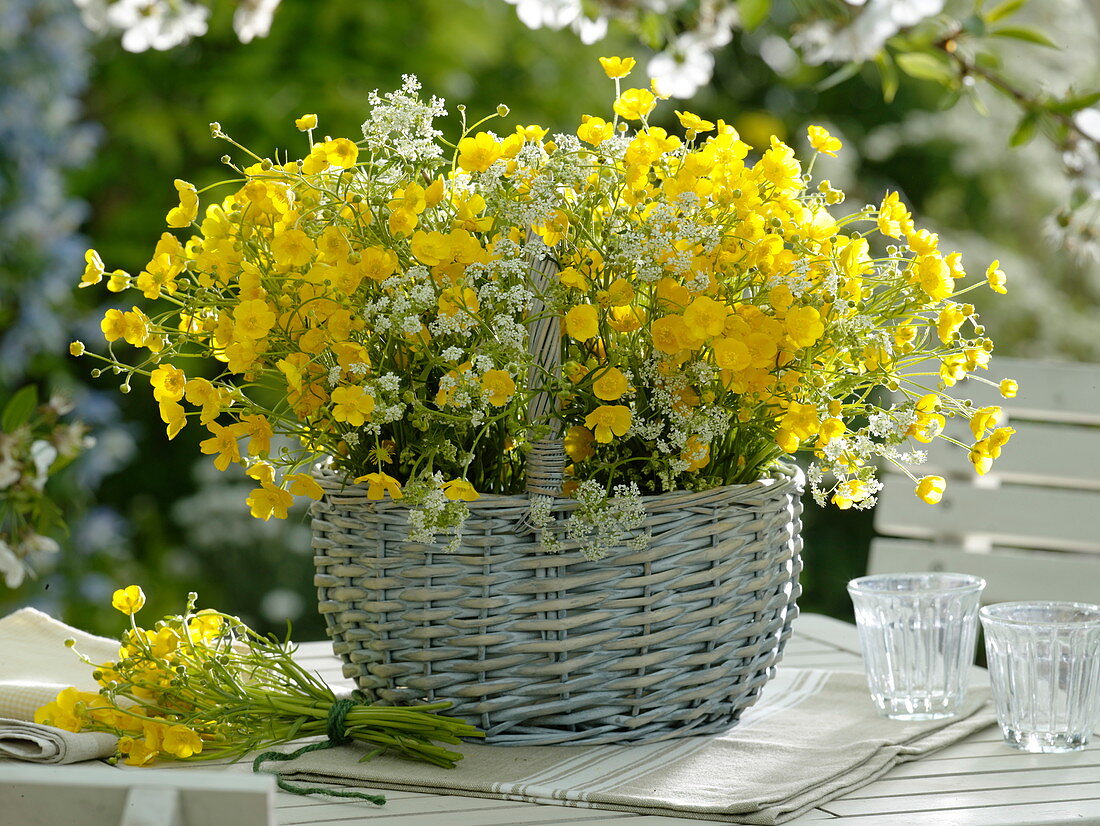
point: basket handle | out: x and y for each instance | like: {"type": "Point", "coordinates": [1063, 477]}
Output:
{"type": "Point", "coordinates": [546, 459]}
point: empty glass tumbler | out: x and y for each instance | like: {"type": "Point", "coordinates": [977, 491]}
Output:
{"type": "Point", "coordinates": [918, 632]}
{"type": "Point", "coordinates": [1044, 663]}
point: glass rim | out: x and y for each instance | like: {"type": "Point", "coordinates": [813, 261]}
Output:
{"type": "Point", "coordinates": [990, 614]}
{"type": "Point", "coordinates": [965, 583]}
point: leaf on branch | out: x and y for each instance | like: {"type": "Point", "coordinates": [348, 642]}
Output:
{"type": "Point", "coordinates": [753, 12]}
{"type": "Point", "coordinates": [888, 74]}
{"type": "Point", "coordinates": [925, 66]}
{"type": "Point", "coordinates": [19, 408]}
{"type": "Point", "coordinates": [1003, 10]}
{"type": "Point", "coordinates": [1075, 103]}
{"type": "Point", "coordinates": [1025, 129]}
{"type": "Point", "coordinates": [1027, 35]}
{"type": "Point", "coordinates": [839, 76]}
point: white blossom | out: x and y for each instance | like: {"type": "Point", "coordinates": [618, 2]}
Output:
{"type": "Point", "coordinates": [156, 24]}
{"type": "Point", "coordinates": [253, 18]}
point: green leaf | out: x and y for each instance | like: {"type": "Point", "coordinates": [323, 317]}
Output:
{"type": "Point", "coordinates": [1003, 10]}
{"type": "Point", "coordinates": [1075, 103]}
{"type": "Point", "coordinates": [19, 408]}
{"type": "Point", "coordinates": [976, 101]}
{"type": "Point", "coordinates": [925, 66]}
{"type": "Point", "coordinates": [988, 60]}
{"type": "Point", "coordinates": [753, 12]}
{"type": "Point", "coordinates": [651, 31]}
{"type": "Point", "coordinates": [1023, 33]}
{"type": "Point", "coordinates": [1025, 129]}
{"type": "Point", "coordinates": [974, 25]}
{"type": "Point", "coordinates": [888, 75]}
{"type": "Point", "coordinates": [839, 76]}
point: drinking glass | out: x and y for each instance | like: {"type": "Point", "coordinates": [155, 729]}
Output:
{"type": "Point", "coordinates": [918, 632]}
{"type": "Point", "coordinates": [1044, 663]}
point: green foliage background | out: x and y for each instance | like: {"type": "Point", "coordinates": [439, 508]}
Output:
{"type": "Point", "coordinates": [325, 57]}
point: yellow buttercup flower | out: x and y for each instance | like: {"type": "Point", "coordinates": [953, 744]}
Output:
{"type": "Point", "coordinates": [627, 319]}
{"type": "Point", "coordinates": [180, 741]}
{"type": "Point", "coordinates": [188, 209]}
{"type": "Point", "coordinates": [306, 122]}
{"type": "Point", "coordinates": [222, 445]}
{"type": "Point", "coordinates": [985, 418]}
{"type": "Point", "coordinates": [706, 316]}
{"type": "Point", "coordinates": [206, 625]}
{"type": "Point", "coordinates": [731, 354]}
{"type": "Point", "coordinates": [353, 405]}
{"type": "Point", "coordinates": [617, 67]}
{"type": "Point", "coordinates": [118, 281]}
{"type": "Point", "coordinates": [930, 489]}
{"type": "Point", "coordinates": [93, 269]}
{"type": "Point", "coordinates": [479, 152]}
{"type": "Point", "coordinates": [302, 484]}
{"type": "Point", "coordinates": [128, 600]}
{"type": "Point", "coordinates": [168, 383]}
{"type": "Point", "coordinates": [173, 415]}
{"type": "Point", "coordinates": [454, 300]}
{"type": "Point", "coordinates": [822, 141]}
{"type": "Point", "coordinates": [293, 248]}
{"type": "Point", "coordinates": [499, 386]}
{"type": "Point", "coordinates": [804, 326]}
{"type": "Point", "coordinates": [951, 318]}
{"type": "Point", "coordinates": [610, 385]}
{"type": "Point", "coordinates": [202, 393]}
{"type": "Point", "coordinates": [696, 453]}
{"type": "Point", "coordinates": [996, 278]}
{"type": "Point", "coordinates": [669, 334]}
{"type": "Point", "coordinates": [76, 348]}
{"type": "Point", "coordinates": [780, 167]}
{"type": "Point", "coordinates": [379, 485]}
{"type": "Point", "coordinates": [582, 322]}
{"type": "Point", "coordinates": [62, 712]}
{"type": "Point", "coordinates": [253, 319]}
{"type": "Point", "coordinates": [691, 121]}
{"type": "Point", "coordinates": [1008, 387]}
{"type": "Point", "coordinates": [934, 277]}
{"type": "Point", "coordinates": [130, 326]}
{"type": "Point", "coordinates": [607, 421]}
{"type": "Point", "coordinates": [459, 490]}
{"type": "Point", "coordinates": [893, 218]}
{"type": "Point", "coordinates": [267, 501]}
{"type": "Point", "coordinates": [431, 248]}
{"type": "Point", "coordinates": [635, 104]}
{"type": "Point", "coordinates": [595, 130]}
{"type": "Point", "coordinates": [850, 493]}
{"type": "Point", "coordinates": [801, 420]}
{"type": "Point", "coordinates": [578, 443]}
{"type": "Point", "coordinates": [341, 152]}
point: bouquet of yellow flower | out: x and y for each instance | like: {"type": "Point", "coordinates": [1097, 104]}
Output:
{"type": "Point", "coordinates": [374, 302]}
{"type": "Point", "coordinates": [202, 685]}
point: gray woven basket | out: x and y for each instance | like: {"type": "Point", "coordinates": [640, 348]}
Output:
{"type": "Point", "coordinates": [540, 648]}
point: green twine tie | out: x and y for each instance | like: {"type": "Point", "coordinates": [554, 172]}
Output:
{"type": "Point", "coordinates": [337, 734]}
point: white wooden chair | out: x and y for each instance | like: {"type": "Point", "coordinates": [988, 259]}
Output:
{"type": "Point", "coordinates": [1031, 527]}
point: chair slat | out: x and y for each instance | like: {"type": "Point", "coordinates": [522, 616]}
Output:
{"type": "Point", "coordinates": [1066, 455]}
{"type": "Point", "coordinates": [1009, 573]}
{"type": "Point", "coordinates": [1021, 516]}
{"type": "Point", "coordinates": [1049, 391]}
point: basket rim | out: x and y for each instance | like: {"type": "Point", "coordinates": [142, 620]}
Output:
{"type": "Point", "coordinates": [782, 478]}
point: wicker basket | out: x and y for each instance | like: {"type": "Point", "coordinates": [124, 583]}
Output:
{"type": "Point", "coordinates": [541, 648]}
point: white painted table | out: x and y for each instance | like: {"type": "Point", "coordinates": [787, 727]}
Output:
{"type": "Point", "coordinates": [977, 782]}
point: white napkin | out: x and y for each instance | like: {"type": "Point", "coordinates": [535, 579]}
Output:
{"type": "Point", "coordinates": [814, 736]}
{"type": "Point", "coordinates": [35, 665]}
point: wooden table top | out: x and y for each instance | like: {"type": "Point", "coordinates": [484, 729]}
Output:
{"type": "Point", "coordinates": [977, 782]}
